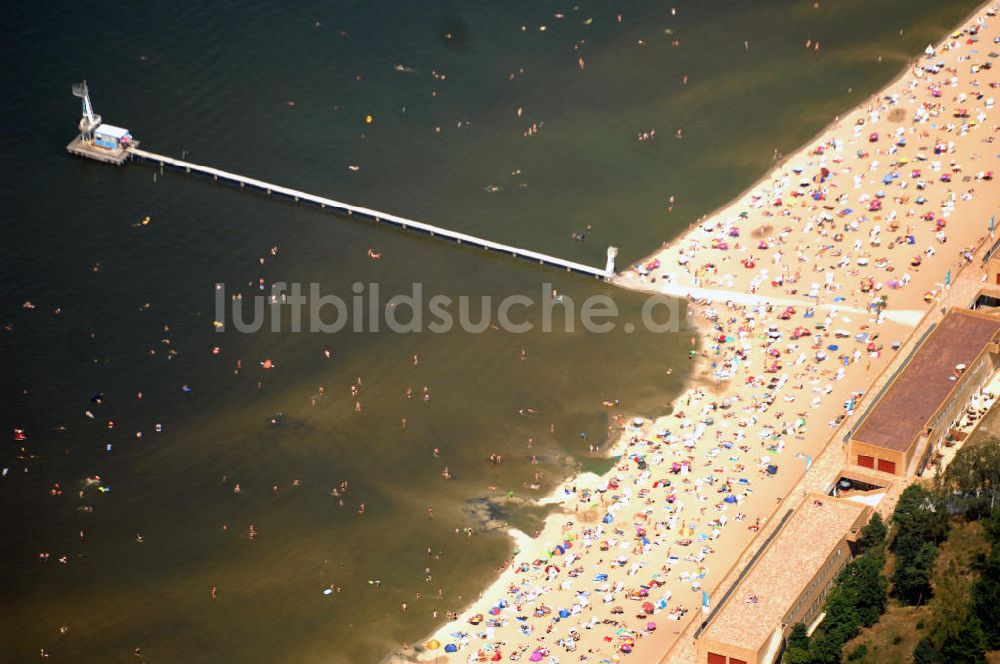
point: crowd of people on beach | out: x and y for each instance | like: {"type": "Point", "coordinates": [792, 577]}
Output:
{"type": "Point", "coordinates": [804, 289]}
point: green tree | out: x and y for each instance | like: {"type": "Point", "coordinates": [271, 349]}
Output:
{"type": "Point", "coordinates": [861, 586]}
{"type": "Point", "coordinates": [973, 474]}
{"type": "Point", "coordinates": [986, 589]}
{"type": "Point", "coordinates": [991, 525]}
{"type": "Point", "coordinates": [873, 534]}
{"type": "Point", "coordinates": [859, 653]}
{"type": "Point", "coordinates": [842, 617]}
{"type": "Point", "coordinates": [966, 647]}
{"type": "Point", "coordinates": [797, 648]}
{"type": "Point", "coordinates": [911, 580]}
{"type": "Point", "coordinates": [924, 653]}
{"type": "Point", "coordinates": [871, 594]}
{"type": "Point", "coordinates": [841, 623]}
{"type": "Point", "coordinates": [917, 515]}
{"type": "Point", "coordinates": [825, 648]}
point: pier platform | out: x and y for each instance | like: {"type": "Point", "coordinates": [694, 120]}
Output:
{"type": "Point", "coordinates": [81, 148]}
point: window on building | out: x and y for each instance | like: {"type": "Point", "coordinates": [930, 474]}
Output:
{"type": "Point", "coordinates": [715, 658]}
{"type": "Point", "coordinates": [887, 466]}
{"type": "Point", "coordinates": [866, 461]}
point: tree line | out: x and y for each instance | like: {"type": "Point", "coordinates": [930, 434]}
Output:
{"type": "Point", "coordinates": [966, 616]}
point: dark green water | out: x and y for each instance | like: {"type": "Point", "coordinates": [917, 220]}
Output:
{"type": "Point", "coordinates": [212, 81]}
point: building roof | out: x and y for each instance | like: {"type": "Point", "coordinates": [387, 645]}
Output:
{"type": "Point", "coordinates": [112, 131]}
{"type": "Point", "coordinates": [924, 385]}
{"type": "Point", "coordinates": [778, 579]}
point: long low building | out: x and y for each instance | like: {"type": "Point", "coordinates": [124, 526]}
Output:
{"type": "Point", "coordinates": [786, 585]}
{"type": "Point", "coordinates": [915, 413]}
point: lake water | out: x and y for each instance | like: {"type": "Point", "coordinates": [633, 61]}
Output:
{"type": "Point", "coordinates": [281, 92]}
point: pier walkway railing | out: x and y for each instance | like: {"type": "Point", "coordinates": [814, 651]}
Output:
{"type": "Point", "coordinates": [378, 217]}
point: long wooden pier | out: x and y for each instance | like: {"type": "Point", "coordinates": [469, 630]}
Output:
{"type": "Point", "coordinates": [377, 216]}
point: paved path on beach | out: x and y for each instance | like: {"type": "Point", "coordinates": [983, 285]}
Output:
{"type": "Point", "coordinates": [903, 316]}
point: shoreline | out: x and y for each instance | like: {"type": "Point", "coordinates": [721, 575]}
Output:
{"type": "Point", "coordinates": [806, 440]}
{"type": "Point", "coordinates": [529, 546]}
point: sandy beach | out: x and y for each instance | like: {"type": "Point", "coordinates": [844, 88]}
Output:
{"type": "Point", "coordinates": [804, 288]}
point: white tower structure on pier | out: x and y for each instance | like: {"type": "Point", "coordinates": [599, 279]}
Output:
{"type": "Point", "coordinates": [90, 120]}
{"type": "Point", "coordinates": [609, 269]}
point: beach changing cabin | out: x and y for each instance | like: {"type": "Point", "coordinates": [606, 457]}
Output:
{"type": "Point", "coordinates": [922, 404]}
{"type": "Point", "coordinates": [785, 585]}
{"type": "Point", "coordinates": [111, 137]}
